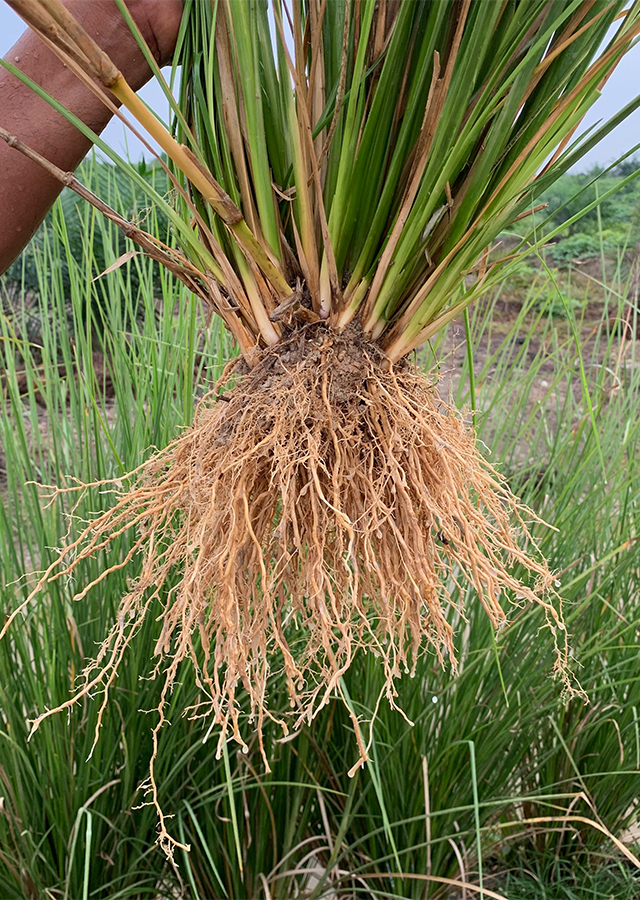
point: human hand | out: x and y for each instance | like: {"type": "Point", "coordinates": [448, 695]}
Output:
{"type": "Point", "coordinates": [26, 190]}
{"type": "Point", "coordinates": [161, 18]}
{"type": "Point", "coordinates": [158, 21]}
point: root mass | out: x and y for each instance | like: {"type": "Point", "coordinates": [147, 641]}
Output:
{"type": "Point", "coordinates": [329, 504]}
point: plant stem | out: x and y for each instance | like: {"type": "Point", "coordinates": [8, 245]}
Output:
{"type": "Point", "coordinates": [209, 189]}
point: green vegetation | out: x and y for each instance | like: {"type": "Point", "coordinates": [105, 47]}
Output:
{"type": "Point", "coordinates": [297, 164]}
{"type": "Point", "coordinates": [618, 215]}
{"type": "Point", "coordinates": [109, 183]}
{"type": "Point", "coordinates": [492, 750]}
{"type": "Point", "coordinates": [610, 228]}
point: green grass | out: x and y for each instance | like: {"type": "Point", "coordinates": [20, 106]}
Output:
{"type": "Point", "coordinates": [616, 221]}
{"type": "Point", "coordinates": [116, 190]}
{"type": "Point", "coordinates": [554, 879]}
{"type": "Point", "coordinates": [490, 750]}
{"type": "Point", "coordinates": [383, 210]}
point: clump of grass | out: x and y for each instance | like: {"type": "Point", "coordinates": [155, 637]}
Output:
{"type": "Point", "coordinates": [562, 880]}
{"type": "Point", "coordinates": [329, 487]}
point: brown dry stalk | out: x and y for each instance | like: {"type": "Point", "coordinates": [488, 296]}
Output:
{"type": "Point", "coordinates": [329, 506]}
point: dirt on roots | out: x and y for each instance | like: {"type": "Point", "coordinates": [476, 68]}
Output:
{"type": "Point", "coordinates": [321, 504]}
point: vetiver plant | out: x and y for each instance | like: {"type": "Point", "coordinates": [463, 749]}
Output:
{"type": "Point", "coordinates": [92, 840]}
{"type": "Point", "coordinates": [341, 170]}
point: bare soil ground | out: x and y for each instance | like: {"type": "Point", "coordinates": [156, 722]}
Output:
{"type": "Point", "coordinates": [606, 341]}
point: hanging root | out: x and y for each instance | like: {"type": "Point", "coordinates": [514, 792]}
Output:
{"type": "Point", "coordinates": [327, 505]}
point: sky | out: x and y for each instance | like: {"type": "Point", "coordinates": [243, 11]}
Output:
{"type": "Point", "coordinates": [622, 87]}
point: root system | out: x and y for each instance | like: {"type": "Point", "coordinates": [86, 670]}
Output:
{"type": "Point", "coordinates": [321, 504]}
